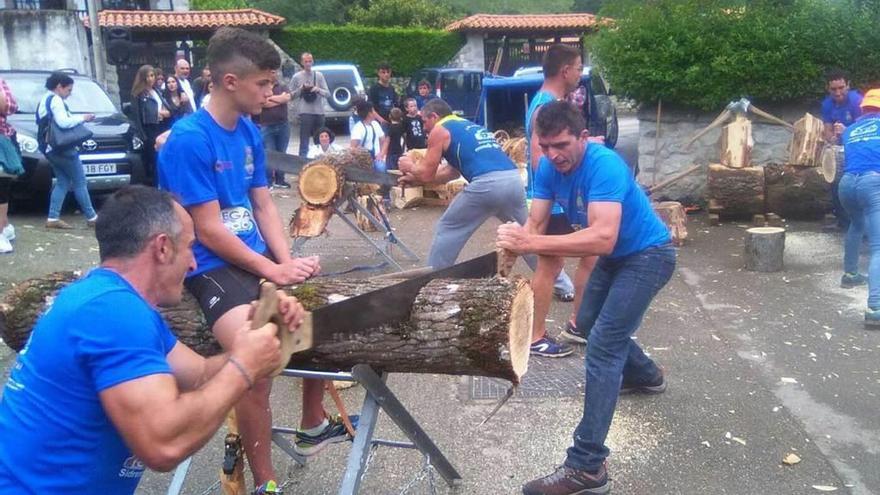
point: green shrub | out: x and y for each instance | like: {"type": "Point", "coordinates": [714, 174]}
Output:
{"type": "Point", "coordinates": [705, 53]}
{"type": "Point", "coordinates": [402, 13]}
{"type": "Point", "coordinates": [218, 4]}
{"type": "Point", "coordinates": [406, 49]}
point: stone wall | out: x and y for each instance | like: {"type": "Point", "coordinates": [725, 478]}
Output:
{"type": "Point", "coordinates": [43, 40]}
{"type": "Point", "coordinates": [471, 55]}
{"type": "Point", "coordinates": [678, 125]}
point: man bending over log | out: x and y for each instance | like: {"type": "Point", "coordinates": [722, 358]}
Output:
{"type": "Point", "coordinates": [103, 389]}
{"type": "Point", "coordinates": [214, 161]}
{"type": "Point", "coordinates": [636, 259]}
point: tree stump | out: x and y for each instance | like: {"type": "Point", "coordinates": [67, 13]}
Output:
{"type": "Point", "coordinates": [796, 192]}
{"type": "Point", "coordinates": [478, 327]}
{"type": "Point", "coordinates": [764, 248]}
{"type": "Point", "coordinates": [736, 192]}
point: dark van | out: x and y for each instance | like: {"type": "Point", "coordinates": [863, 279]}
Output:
{"type": "Point", "coordinates": [460, 88]}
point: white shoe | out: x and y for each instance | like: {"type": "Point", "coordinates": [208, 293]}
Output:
{"type": "Point", "coordinates": [5, 245]}
{"type": "Point", "coordinates": [8, 232]}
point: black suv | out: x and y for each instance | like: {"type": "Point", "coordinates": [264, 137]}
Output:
{"type": "Point", "coordinates": [460, 88]}
{"type": "Point", "coordinates": [111, 158]}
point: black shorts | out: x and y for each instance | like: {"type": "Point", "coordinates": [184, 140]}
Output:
{"type": "Point", "coordinates": [222, 289]}
{"type": "Point", "coordinates": [559, 225]}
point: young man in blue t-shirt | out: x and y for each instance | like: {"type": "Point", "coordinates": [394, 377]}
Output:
{"type": "Point", "coordinates": [840, 109]}
{"type": "Point", "coordinates": [214, 161]}
{"type": "Point", "coordinates": [103, 390]}
{"type": "Point", "coordinates": [635, 260]}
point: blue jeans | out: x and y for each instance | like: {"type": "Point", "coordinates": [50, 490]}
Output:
{"type": "Point", "coordinates": [860, 196]}
{"type": "Point", "coordinates": [615, 300]}
{"type": "Point", "coordinates": [69, 174]}
{"type": "Point", "coordinates": [276, 137]}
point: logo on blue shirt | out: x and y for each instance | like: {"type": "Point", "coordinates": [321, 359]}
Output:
{"type": "Point", "coordinates": [132, 468]}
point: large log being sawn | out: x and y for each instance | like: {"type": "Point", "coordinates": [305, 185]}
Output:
{"type": "Point", "coordinates": [478, 327]}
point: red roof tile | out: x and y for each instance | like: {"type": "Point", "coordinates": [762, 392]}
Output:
{"type": "Point", "coordinates": [548, 22]}
{"type": "Point", "coordinates": [196, 19]}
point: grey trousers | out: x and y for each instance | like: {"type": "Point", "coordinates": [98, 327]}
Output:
{"type": "Point", "coordinates": [309, 124]}
{"type": "Point", "coordinates": [495, 194]}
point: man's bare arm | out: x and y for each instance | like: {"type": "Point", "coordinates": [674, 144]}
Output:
{"type": "Point", "coordinates": [535, 152]}
{"type": "Point", "coordinates": [192, 370]}
{"type": "Point", "coordinates": [598, 239]}
{"type": "Point", "coordinates": [425, 171]}
{"type": "Point", "coordinates": [269, 222]}
{"type": "Point", "coordinates": [539, 216]}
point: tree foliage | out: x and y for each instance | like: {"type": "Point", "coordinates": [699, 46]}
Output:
{"type": "Point", "coordinates": [705, 53]}
{"type": "Point", "coordinates": [218, 4]}
{"type": "Point", "coordinates": [402, 13]}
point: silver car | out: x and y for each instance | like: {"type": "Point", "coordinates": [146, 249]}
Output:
{"type": "Point", "coordinates": [345, 84]}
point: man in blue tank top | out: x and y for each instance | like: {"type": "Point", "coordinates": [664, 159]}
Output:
{"type": "Point", "coordinates": [563, 67]}
{"type": "Point", "coordinates": [635, 260]}
{"type": "Point", "coordinates": [495, 187]}
{"type": "Point", "coordinates": [103, 390]}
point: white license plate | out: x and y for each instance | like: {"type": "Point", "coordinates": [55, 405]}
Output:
{"type": "Point", "coordinates": [99, 168]}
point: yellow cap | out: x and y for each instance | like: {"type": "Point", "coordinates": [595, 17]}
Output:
{"type": "Point", "coordinates": [871, 99]}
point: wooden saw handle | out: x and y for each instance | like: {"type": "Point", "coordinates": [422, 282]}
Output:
{"type": "Point", "coordinates": [267, 311]}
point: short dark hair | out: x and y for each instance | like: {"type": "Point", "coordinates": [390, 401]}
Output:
{"type": "Point", "coordinates": [131, 217]}
{"type": "Point", "coordinates": [423, 82]}
{"type": "Point", "coordinates": [57, 78]}
{"type": "Point", "coordinates": [240, 52]}
{"type": "Point", "coordinates": [363, 108]}
{"type": "Point", "coordinates": [317, 137]}
{"type": "Point", "coordinates": [438, 106]}
{"type": "Point", "coordinates": [383, 66]}
{"type": "Point", "coordinates": [558, 56]}
{"type": "Point", "coordinates": [836, 74]}
{"type": "Point", "coordinates": [558, 116]}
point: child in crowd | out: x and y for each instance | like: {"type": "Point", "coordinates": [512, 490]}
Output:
{"type": "Point", "coordinates": [424, 93]}
{"type": "Point", "coordinates": [414, 126]}
{"type": "Point", "coordinates": [323, 144]}
{"type": "Point", "coordinates": [396, 131]}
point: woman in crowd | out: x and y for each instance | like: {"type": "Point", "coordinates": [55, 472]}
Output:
{"type": "Point", "coordinates": [323, 143]}
{"type": "Point", "coordinates": [176, 99]}
{"type": "Point", "coordinates": [150, 114]}
{"type": "Point", "coordinates": [65, 162]}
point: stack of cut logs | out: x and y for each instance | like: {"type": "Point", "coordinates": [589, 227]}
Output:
{"type": "Point", "coordinates": [737, 189]}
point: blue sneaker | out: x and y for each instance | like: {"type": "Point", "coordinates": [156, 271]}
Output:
{"type": "Point", "coordinates": [335, 432]}
{"type": "Point", "coordinates": [573, 334]}
{"type": "Point", "coordinates": [850, 280]}
{"type": "Point", "coordinates": [872, 318]}
{"type": "Point", "coordinates": [546, 347]}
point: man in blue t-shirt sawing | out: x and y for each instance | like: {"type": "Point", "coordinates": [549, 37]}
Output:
{"type": "Point", "coordinates": [214, 162]}
{"type": "Point", "coordinates": [635, 260]}
{"type": "Point", "coordinates": [103, 390]}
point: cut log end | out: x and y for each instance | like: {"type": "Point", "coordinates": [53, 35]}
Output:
{"type": "Point", "coordinates": [309, 221]}
{"type": "Point", "coordinates": [320, 183]}
{"type": "Point", "coordinates": [521, 319]}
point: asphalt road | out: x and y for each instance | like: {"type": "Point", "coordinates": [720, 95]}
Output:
{"type": "Point", "coordinates": [759, 366]}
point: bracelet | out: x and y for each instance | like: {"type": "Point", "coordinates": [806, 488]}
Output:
{"type": "Point", "coordinates": [244, 373]}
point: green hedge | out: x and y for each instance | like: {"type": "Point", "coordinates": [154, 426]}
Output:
{"type": "Point", "coordinates": [406, 49]}
{"type": "Point", "coordinates": [705, 53]}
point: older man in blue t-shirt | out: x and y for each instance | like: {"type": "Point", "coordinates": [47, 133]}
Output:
{"type": "Point", "coordinates": [635, 260]}
{"type": "Point", "coordinates": [860, 195]}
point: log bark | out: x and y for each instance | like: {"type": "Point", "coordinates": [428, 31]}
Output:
{"type": "Point", "coordinates": [736, 143]}
{"type": "Point", "coordinates": [764, 248]}
{"type": "Point", "coordinates": [673, 215]}
{"type": "Point", "coordinates": [357, 157]}
{"type": "Point", "coordinates": [321, 183]}
{"type": "Point", "coordinates": [309, 220]}
{"type": "Point", "coordinates": [796, 192]}
{"type": "Point", "coordinates": [461, 327]}
{"type": "Point", "coordinates": [807, 142]}
{"type": "Point", "coordinates": [736, 192]}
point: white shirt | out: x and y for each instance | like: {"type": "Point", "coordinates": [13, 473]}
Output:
{"type": "Point", "coordinates": [187, 88]}
{"type": "Point", "coordinates": [62, 117]}
{"type": "Point", "coordinates": [370, 136]}
{"type": "Point", "coordinates": [315, 150]}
